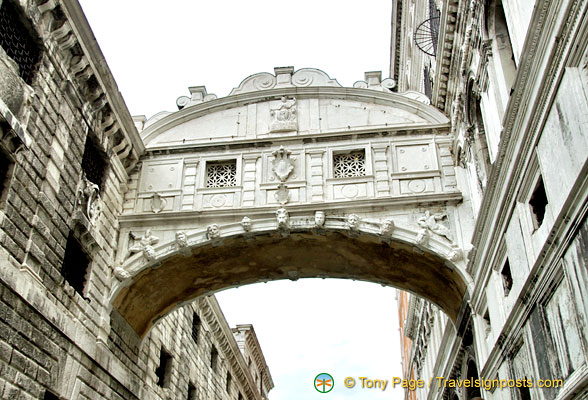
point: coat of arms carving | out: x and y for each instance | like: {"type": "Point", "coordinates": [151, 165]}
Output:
{"type": "Point", "coordinates": [282, 164]}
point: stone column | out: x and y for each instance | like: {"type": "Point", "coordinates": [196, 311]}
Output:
{"type": "Point", "coordinates": [249, 176]}
{"type": "Point", "coordinates": [317, 178]}
{"type": "Point", "coordinates": [381, 173]}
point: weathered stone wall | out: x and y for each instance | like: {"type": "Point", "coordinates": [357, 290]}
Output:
{"type": "Point", "coordinates": [58, 336]}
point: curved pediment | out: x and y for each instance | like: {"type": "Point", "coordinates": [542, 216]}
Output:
{"type": "Point", "coordinates": [305, 103]}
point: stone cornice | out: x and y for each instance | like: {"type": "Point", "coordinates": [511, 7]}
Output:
{"type": "Point", "coordinates": [100, 102]}
{"type": "Point", "coordinates": [355, 205]}
{"type": "Point", "coordinates": [257, 353]}
{"type": "Point", "coordinates": [384, 98]}
{"type": "Point", "coordinates": [224, 337]}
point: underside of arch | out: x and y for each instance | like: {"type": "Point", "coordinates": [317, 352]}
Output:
{"type": "Point", "coordinates": [243, 260]}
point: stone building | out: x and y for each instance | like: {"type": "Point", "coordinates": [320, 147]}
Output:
{"type": "Point", "coordinates": [461, 179]}
{"type": "Point", "coordinates": [512, 76]}
{"type": "Point", "coordinates": [67, 146]}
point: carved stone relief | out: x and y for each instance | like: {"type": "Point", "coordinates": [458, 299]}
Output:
{"type": "Point", "coordinates": [387, 227]}
{"type": "Point", "coordinates": [353, 221]}
{"type": "Point", "coordinates": [88, 200]}
{"type": "Point", "coordinates": [284, 117]}
{"type": "Point", "coordinates": [246, 224]}
{"type": "Point", "coordinates": [212, 232]}
{"type": "Point", "coordinates": [432, 223]}
{"type": "Point", "coordinates": [319, 219]}
{"type": "Point", "coordinates": [283, 218]}
{"type": "Point", "coordinates": [145, 244]}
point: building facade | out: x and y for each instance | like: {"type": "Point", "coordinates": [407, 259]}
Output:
{"type": "Point", "coordinates": [512, 77]}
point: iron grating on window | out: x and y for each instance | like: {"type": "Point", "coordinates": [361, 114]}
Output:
{"type": "Point", "coordinates": [19, 42]}
{"type": "Point", "coordinates": [221, 174]}
{"type": "Point", "coordinates": [349, 165]}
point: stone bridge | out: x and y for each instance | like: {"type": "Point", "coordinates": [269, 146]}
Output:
{"type": "Point", "coordinates": [292, 176]}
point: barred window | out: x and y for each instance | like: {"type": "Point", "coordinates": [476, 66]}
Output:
{"type": "Point", "coordinates": [349, 165]}
{"type": "Point", "coordinates": [94, 162]}
{"type": "Point", "coordinates": [221, 174]}
{"type": "Point", "coordinates": [75, 264]}
{"type": "Point", "coordinates": [19, 41]}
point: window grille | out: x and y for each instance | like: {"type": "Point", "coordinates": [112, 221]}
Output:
{"type": "Point", "coordinates": [349, 165]}
{"type": "Point", "coordinates": [75, 264]}
{"type": "Point", "coordinates": [221, 174]}
{"type": "Point", "coordinates": [94, 162]}
{"type": "Point", "coordinates": [18, 41]}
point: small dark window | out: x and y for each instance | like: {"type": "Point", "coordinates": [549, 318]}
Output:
{"type": "Point", "coordinates": [164, 370]}
{"type": "Point", "coordinates": [49, 396]}
{"type": "Point", "coordinates": [488, 322]}
{"type": "Point", "coordinates": [525, 393]}
{"type": "Point", "coordinates": [5, 165]}
{"type": "Point", "coordinates": [428, 83]}
{"type": "Point", "coordinates": [195, 327]}
{"type": "Point", "coordinates": [229, 379]}
{"type": "Point", "coordinates": [538, 203]}
{"type": "Point", "coordinates": [75, 264]}
{"type": "Point", "coordinates": [472, 373]}
{"type": "Point", "coordinates": [19, 40]}
{"type": "Point", "coordinates": [94, 162]}
{"type": "Point", "coordinates": [506, 277]}
{"type": "Point", "coordinates": [191, 392]}
{"type": "Point", "coordinates": [213, 358]}
{"type": "Point", "coordinates": [240, 397]}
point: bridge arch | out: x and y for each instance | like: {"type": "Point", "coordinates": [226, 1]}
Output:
{"type": "Point", "coordinates": [377, 164]}
{"type": "Point", "coordinates": [187, 267]}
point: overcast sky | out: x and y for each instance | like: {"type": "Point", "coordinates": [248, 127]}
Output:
{"type": "Point", "coordinates": [156, 50]}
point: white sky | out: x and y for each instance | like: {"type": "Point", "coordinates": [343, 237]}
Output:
{"type": "Point", "coordinates": [156, 50]}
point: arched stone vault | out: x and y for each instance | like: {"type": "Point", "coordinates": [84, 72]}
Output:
{"type": "Point", "coordinates": [266, 253]}
{"type": "Point", "coordinates": [279, 140]}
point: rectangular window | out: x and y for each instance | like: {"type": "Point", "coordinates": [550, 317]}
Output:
{"type": "Point", "coordinates": [94, 162]}
{"type": "Point", "coordinates": [213, 358]}
{"type": "Point", "coordinates": [229, 379]}
{"type": "Point", "coordinates": [506, 278]}
{"type": "Point", "coordinates": [221, 174]}
{"type": "Point", "coordinates": [195, 327]}
{"type": "Point", "coordinates": [75, 264]}
{"type": "Point", "coordinates": [5, 172]}
{"type": "Point", "coordinates": [19, 40]}
{"type": "Point", "coordinates": [191, 392]}
{"type": "Point", "coordinates": [163, 371]}
{"type": "Point", "coordinates": [49, 396]}
{"type": "Point", "coordinates": [349, 165]}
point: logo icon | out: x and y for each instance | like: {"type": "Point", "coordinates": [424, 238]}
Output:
{"type": "Point", "coordinates": [324, 383]}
